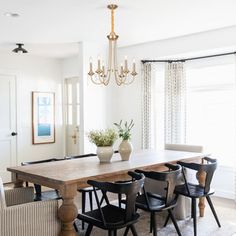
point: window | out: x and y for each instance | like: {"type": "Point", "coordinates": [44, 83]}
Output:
{"type": "Point", "coordinates": [211, 108]}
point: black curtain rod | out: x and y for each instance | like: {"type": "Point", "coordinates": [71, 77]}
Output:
{"type": "Point", "coordinates": [189, 59]}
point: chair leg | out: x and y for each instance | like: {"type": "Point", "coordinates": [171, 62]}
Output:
{"type": "Point", "coordinates": [38, 192]}
{"type": "Point", "coordinates": [174, 221]}
{"type": "Point", "coordinates": [213, 210]}
{"type": "Point", "coordinates": [119, 199]}
{"type": "Point", "coordinates": [194, 215]}
{"type": "Point", "coordinates": [192, 210]}
{"type": "Point", "coordinates": [126, 231]}
{"type": "Point", "coordinates": [111, 233]}
{"type": "Point", "coordinates": [167, 219]}
{"type": "Point", "coordinates": [89, 229]}
{"type": "Point", "coordinates": [150, 231]}
{"type": "Point", "coordinates": [154, 226]}
{"type": "Point", "coordinates": [83, 206]}
{"type": "Point", "coordinates": [75, 227]}
{"type": "Point", "coordinates": [133, 230]}
{"type": "Point", "coordinates": [91, 200]}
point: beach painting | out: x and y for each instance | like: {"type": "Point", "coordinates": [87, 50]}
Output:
{"type": "Point", "coordinates": [43, 117]}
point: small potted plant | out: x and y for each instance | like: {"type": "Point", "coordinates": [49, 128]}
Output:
{"type": "Point", "coordinates": [124, 131]}
{"type": "Point", "coordinates": [104, 140]}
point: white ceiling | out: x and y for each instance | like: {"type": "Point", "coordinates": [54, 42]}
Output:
{"type": "Point", "coordinates": [52, 27]}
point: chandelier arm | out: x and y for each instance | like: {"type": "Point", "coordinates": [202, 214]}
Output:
{"type": "Point", "coordinates": [96, 80]}
{"type": "Point", "coordinates": [127, 82]}
{"type": "Point", "coordinates": [99, 78]}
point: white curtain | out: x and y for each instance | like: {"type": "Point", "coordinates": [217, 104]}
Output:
{"type": "Point", "coordinates": [175, 103]}
{"type": "Point", "coordinates": [146, 105]}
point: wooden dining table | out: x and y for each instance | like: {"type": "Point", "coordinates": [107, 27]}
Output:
{"type": "Point", "coordinates": [69, 175]}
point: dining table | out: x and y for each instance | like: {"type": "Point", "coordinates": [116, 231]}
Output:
{"type": "Point", "coordinates": [68, 176]}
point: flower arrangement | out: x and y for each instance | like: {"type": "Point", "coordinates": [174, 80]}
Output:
{"type": "Point", "coordinates": [102, 138]}
{"type": "Point", "coordinates": [124, 131]}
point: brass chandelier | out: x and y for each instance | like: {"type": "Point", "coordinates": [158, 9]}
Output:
{"type": "Point", "coordinates": [101, 75]}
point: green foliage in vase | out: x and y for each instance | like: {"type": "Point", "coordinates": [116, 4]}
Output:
{"type": "Point", "coordinates": [102, 137]}
{"type": "Point", "coordinates": [124, 130]}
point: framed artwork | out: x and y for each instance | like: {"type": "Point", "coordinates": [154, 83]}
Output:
{"type": "Point", "coordinates": [43, 117]}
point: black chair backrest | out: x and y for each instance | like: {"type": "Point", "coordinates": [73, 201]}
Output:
{"type": "Point", "coordinates": [129, 189]}
{"type": "Point", "coordinates": [81, 156]}
{"type": "Point", "coordinates": [209, 168]}
{"type": "Point", "coordinates": [25, 163]}
{"type": "Point", "coordinates": [37, 187]}
{"type": "Point", "coordinates": [170, 176]}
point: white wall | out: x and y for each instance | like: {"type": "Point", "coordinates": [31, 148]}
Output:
{"type": "Point", "coordinates": [224, 182]}
{"type": "Point", "coordinates": [93, 98]}
{"type": "Point", "coordinates": [125, 102]}
{"type": "Point", "coordinates": [70, 67]}
{"type": "Point", "coordinates": [34, 74]}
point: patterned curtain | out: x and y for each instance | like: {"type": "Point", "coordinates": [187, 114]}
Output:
{"type": "Point", "coordinates": [146, 105]}
{"type": "Point", "coordinates": [175, 103]}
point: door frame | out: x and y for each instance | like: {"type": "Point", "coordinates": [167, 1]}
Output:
{"type": "Point", "coordinates": [64, 111]}
{"type": "Point", "coordinates": [16, 75]}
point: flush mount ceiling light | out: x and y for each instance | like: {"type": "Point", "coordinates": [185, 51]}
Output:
{"type": "Point", "coordinates": [20, 49]}
{"type": "Point", "coordinates": [11, 14]}
{"type": "Point", "coordinates": [103, 75]}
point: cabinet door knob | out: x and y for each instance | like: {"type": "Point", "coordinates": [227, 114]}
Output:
{"type": "Point", "coordinates": [13, 134]}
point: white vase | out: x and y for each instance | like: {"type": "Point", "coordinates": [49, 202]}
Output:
{"type": "Point", "coordinates": [105, 153]}
{"type": "Point", "coordinates": [125, 150]}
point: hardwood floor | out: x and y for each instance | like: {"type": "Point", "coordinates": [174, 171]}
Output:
{"type": "Point", "coordinates": [226, 210]}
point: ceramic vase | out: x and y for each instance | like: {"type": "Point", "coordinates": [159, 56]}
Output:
{"type": "Point", "coordinates": [125, 150]}
{"type": "Point", "coordinates": [105, 153]}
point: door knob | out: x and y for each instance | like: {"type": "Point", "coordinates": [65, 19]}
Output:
{"type": "Point", "coordinates": [13, 134]}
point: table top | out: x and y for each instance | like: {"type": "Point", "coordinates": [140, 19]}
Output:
{"type": "Point", "coordinates": [81, 169]}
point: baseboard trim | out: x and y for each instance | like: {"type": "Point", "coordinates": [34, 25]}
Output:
{"type": "Point", "coordinates": [224, 194]}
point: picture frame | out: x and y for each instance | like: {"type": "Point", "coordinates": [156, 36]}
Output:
{"type": "Point", "coordinates": [43, 117]}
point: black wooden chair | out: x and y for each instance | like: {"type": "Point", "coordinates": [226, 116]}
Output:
{"type": "Point", "coordinates": [112, 217]}
{"type": "Point", "coordinates": [85, 191]}
{"type": "Point", "coordinates": [195, 191]}
{"type": "Point", "coordinates": [45, 195]}
{"type": "Point", "coordinates": [153, 202]}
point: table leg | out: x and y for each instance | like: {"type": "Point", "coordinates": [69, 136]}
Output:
{"type": "Point", "coordinates": [68, 210]}
{"type": "Point", "coordinates": [17, 182]}
{"type": "Point", "coordinates": [201, 176]}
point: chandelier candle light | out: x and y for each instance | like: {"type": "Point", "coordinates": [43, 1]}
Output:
{"type": "Point", "coordinates": [102, 75]}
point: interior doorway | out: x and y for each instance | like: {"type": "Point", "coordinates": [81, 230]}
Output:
{"type": "Point", "coordinates": [72, 116]}
{"type": "Point", "coordinates": [7, 125]}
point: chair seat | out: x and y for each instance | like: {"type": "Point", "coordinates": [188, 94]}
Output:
{"type": "Point", "coordinates": [47, 195]}
{"type": "Point", "coordinates": [156, 202]}
{"type": "Point", "coordinates": [195, 190]}
{"type": "Point", "coordinates": [114, 217]}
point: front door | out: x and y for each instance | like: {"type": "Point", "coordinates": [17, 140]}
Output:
{"type": "Point", "coordinates": [72, 116]}
{"type": "Point", "coordinates": [7, 125]}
